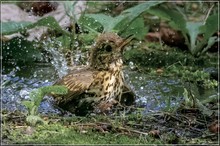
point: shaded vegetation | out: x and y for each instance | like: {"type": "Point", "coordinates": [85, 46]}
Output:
{"type": "Point", "coordinates": [192, 121]}
{"type": "Point", "coordinates": [182, 126]}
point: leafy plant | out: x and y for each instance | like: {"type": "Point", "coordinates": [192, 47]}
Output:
{"type": "Point", "coordinates": [128, 22]}
{"type": "Point", "coordinates": [14, 27]}
{"type": "Point", "coordinates": [21, 50]}
{"type": "Point", "coordinates": [190, 30]}
{"type": "Point", "coordinates": [36, 96]}
{"type": "Point", "coordinates": [191, 101]}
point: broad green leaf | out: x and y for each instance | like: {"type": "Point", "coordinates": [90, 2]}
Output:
{"type": "Point", "coordinates": [106, 21]}
{"type": "Point", "coordinates": [137, 10]}
{"type": "Point", "coordinates": [118, 23]}
{"type": "Point", "coordinates": [175, 18]}
{"type": "Point", "coordinates": [137, 29]}
{"type": "Point", "coordinates": [129, 15]}
{"type": "Point", "coordinates": [90, 24]}
{"type": "Point", "coordinates": [211, 26]}
{"type": "Point", "coordinates": [208, 29]}
{"type": "Point", "coordinates": [14, 27]}
{"type": "Point", "coordinates": [193, 31]}
{"type": "Point", "coordinates": [211, 41]}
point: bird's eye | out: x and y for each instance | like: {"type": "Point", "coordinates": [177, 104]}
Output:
{"type": "Point", "coordinates": [108, 48]}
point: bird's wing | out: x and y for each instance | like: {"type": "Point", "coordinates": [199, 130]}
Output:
{"type": "Point", "coordinates": [77, 82]}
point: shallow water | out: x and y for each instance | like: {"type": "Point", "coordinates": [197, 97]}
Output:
{"type": "Point", "coordinates": [154, 92]}
{"type": "Point", "coordinates": [18, 82]}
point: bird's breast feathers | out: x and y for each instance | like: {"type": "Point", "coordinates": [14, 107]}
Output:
{"type": "Point", "coordinates": [107, 85]}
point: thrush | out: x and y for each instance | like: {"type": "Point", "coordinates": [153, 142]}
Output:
{"type": "Point", "coordinates": [101, 85]}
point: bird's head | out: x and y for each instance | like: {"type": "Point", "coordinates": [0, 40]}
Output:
{"type": "Point", "coordinates": [107, 51]}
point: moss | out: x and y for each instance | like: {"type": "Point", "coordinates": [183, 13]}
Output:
{"type": "Point", "coordinates": [60, 134]}
{"type": "Point", "coordinates": [155, 55]}
{"type": "Point", "coordinates": [101, 129]}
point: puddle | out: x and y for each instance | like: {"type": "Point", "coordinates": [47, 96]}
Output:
{"type": "Point", "coordinates": [18, 82]}
{"type": "Point", "coordinates": [154, 92]}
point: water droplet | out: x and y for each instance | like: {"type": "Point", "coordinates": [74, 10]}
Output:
{"type": "Point", "coordinates": [17, 68]}
{"type": "Point", "coordinates": [76, 44]}
{"type": "Point", "coordinates": [24, 94]}
{"type": "Point", "coordinates": [35, 75]}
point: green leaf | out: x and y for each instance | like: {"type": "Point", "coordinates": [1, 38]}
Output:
{"type": "Point", "coordinates": [28, 104]}
{"type": "Point", "coordinates": [211, 26]}
{"type": "Point", "coordinates": [137, 29]}
{"type": "Point", "coordinates": [175, 18]}
{"type": "Point", "coordinates": [90, 24]}
{"type": "Point", "coordinates": [14, 27]}
{"type": "Point", "coordinates": [119, 23]}
{"type": "Point", "coordinates": [37, 95]}
{"type": "Point", "coordinates": [33, 120]}
{"type": "Point", "coordinates": [193, 29]}
{"type": "Point", "coordinates": [106, 21]}
{"type": "Point", "coordinates": [211, 41]}
{"type": "Point", "coordinates": [129, 15]}
{"type": "Point", "coordinates": [137, 10]}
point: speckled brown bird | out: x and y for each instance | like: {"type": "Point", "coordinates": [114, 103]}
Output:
{"type": "Point", "coordinates": [100, 85]}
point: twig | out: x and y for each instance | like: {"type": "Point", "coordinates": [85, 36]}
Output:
{"type": "Point", "coordinates": [134, 131]}
{"type": "Point", "coordinates": [206, 17]}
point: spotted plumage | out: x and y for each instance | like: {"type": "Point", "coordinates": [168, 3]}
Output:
{"type": "Point", "coordinates": [101, 84]}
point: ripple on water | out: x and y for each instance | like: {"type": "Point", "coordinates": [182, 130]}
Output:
{"type": "Point", "coordinates": [153, 93]}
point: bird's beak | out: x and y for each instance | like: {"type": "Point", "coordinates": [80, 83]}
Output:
{"type": "Point", "coordinates": [127, 40]}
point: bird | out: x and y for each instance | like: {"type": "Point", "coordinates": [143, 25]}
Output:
{"type": "Point", "coordinates": [100, 85]}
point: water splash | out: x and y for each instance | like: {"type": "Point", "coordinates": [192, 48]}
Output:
{"type": "Point", "coordinates": [18, 82]}
{"type": "Point", "coordinates": [58, 59]}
